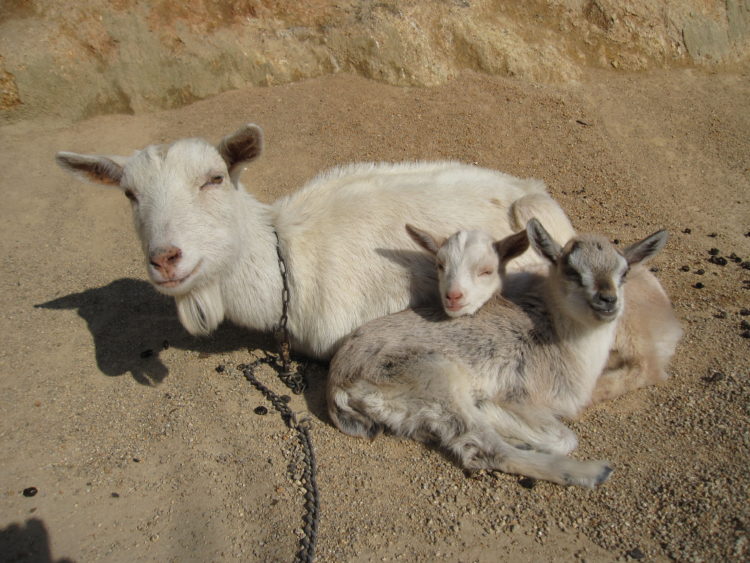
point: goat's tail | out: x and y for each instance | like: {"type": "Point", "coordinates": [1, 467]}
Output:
{"type": "Point", "coordinates": [342, 408]}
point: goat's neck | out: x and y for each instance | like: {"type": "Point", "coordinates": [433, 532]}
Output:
{"type": "Point", "coordinates": [248, 291]}
{"type": "Point", "coordinates": [584, 346]}
{"type": "Point", "coordinates": [251, 290]}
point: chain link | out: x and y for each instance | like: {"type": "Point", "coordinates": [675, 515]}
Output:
{"type": "Point", "coordinates": [295, 381]}
{"type": "Point", "coordinates": [306, 552]}
{"type": "Point", "coordinates": [291, 378]}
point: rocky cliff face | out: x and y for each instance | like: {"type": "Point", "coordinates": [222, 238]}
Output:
{"type": "Point", "coordinates": [76, 59]}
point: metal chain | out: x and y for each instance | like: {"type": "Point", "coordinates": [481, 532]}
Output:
{"type": "Point", "coordinates": [295, 381]}
{"type": "Point", "coordinates": [306, 552]}
{"type": "Point", "coordinates": [291, 378]}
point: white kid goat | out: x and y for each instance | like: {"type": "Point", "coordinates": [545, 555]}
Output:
{"type": "Point", "coordinates": [213, 247]}
{"type": "Point", "coordinates": [487, 385]}
{"type": "Point", "coordinates": [647, 334]}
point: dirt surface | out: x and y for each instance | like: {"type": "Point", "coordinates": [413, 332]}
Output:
{"type": "Point", "coordinates": [140, 450]}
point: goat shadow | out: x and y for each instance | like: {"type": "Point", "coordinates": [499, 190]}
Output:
{"type": "Point", "coordinates": [132, 323]}
{"type": "Point", "coordinates": [29, 542]}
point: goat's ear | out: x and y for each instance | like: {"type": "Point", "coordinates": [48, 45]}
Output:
{"type": "Point", "coordinates": [645, 249]}
{"type": "Point", "coordinates": [542, 242]}
{"type": "Point", "coordinates": [240, 148]}
{"type": "Point", "coordinates": [512, 246]}
{"type": "Point", "coordinates": [425, 239]}
{"type": "Point", "coordinates": [91, 168]}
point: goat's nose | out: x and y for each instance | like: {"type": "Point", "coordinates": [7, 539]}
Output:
{"type": "Point", "coordinates": [454, 295]}
{"type": "Point", "coordinates": [165, 259]}
{"type": "Point", "coordinates": [608, 298]}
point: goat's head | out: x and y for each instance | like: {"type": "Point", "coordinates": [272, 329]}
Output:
{"type": "Point", "coordinates": [588, 273]}
{"type": "Point", "coordinates": [470, 266]}
{"type": "Point", "coordinates": [183, 198]}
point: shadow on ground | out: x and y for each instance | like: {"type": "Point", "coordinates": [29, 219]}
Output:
{"type": "Point", "coordinates": [29, 543]}
{"type": "Point", "coordinates": [132, 323]}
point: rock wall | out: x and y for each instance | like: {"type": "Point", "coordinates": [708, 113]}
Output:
{"type": "Point", "coordinates": [76, 59]}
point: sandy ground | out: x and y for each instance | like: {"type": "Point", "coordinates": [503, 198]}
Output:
{"type": "Point", "coordinates": [159, 457]}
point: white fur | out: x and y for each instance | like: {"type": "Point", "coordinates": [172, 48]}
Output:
{"type": "Point", "coordinates": [342, 235]}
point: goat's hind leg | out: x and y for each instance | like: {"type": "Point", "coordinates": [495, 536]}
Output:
{"type": "Point", "coordinates": [529, 427]}
{"type": "Point", "coordinates": [483, 449]}
{"type": "Point", "coordinates": [481, 446]}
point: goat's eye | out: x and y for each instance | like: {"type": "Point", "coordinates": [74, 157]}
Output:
{"type": "Point", "coordinates": [440, 267]}
{"type": "Point", "coordinates": [624, 275]}
{"type": "Point", "coordinates": [130, 194]}
{"type": "Point", "coordinates": [486, 272]}
{"type": "Point", "coordinates": [213, 181]}
{"type": "Point", "coordinates": [572, 274]}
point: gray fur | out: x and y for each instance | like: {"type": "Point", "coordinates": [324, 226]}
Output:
{"type": "Point", "coordinates": [483, 384]}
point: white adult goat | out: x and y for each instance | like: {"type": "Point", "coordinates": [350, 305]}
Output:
{"type": "Point", "coordinates": [213, 246]}
{"type": "Point", "coordinates": [479, 384]}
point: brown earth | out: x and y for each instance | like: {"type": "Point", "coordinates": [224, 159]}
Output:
{"type": "Point", "coordinates": [162, 458]}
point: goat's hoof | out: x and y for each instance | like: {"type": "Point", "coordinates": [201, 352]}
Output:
{"type": "Point", "coordinates": [604, 475]}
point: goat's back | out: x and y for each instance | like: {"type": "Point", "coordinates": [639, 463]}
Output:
{"type": "Point", "coordinates": [349, 254]}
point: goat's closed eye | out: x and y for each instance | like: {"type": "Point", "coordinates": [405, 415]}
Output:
{"type": "Point", "coordinates": [485, 272]}
{"type": "Point", "coordinates": [213, 181]}
{"type": "Point", "coordinates": [130, 194]}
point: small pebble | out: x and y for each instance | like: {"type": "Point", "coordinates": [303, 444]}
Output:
{"type": "Point", "coordinates": [721, 315]}
{"type": "Point", "coordinates": [147, 353]}
{"type": "Point", "coordinates": [635, 553]}
{"type": "Point", "coordinates": [260, 410]}
{"type": "Point", "coordinates": [687, 231]}
{"type": "Point", "coordinates": [616, 241]}
{"type": "Point", "coordinates": [718, 260]}
{"type": "Point", "coordinates": [30, 491]}
{"type": "Point", "coordinates": [744, 312]}
{"type": "Point", "coordinates": [745, 334]}
{"type": "Point", "coordinates": [685, 268]}
{"type": "Point", "coordinates": [527, 482]}
{"type": "Point", "coordinates": [115, 495]}
{"type": "Point", "coordinates": [654, 269]}
{"type": "Point", "coordinates": [699, 285]}
{"type": "Point", "coordinates": [734, 258]}
{"type": "Point", "coordinates": [712, 235]}
{"type": "Point", "coordinates": [746, 265]}
{"type": "Point", "coordinates": [745, 325]}
{"type": "Point", "coordinates": [136, 460]}
{"type": "Point", "coordinates": [285, 399]}
{"type": "Point", "coordinates": [700, 271]}
{"type": "Point", "coordinates": [714, 377]}
{"type": "Point", "coordinates": [713, 251]}
{"type": "Point", "coordinates": [220, 368]}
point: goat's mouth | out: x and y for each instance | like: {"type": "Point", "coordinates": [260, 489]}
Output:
{"type": "Point", "coordinates": [605, 313]}
{"type": "Point", "coordinates": [176, 282]}
{"type": "Point", "coordinates": [453, 308]}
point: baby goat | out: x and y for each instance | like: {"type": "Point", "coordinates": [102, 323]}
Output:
{"type": "Point", "coordinates": [647, 333]}
{"type": "Point", "coordinates": [489, 387]}
{"type": "Point", "coordinates": [468, 268]}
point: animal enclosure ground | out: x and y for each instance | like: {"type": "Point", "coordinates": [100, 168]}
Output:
{"type": "Point", "coordinates": [141, 450]}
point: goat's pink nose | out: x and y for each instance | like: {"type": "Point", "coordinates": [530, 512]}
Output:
{"type": "Point", "coordinates": [454, 295]}
{"type": "Point", "coordinates": [165, 259]}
